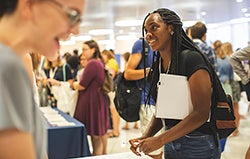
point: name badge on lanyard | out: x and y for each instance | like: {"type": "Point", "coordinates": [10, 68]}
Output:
{"type": "Point", "coordinates": [52, 72]}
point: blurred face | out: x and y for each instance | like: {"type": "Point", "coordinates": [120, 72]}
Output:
{"type": "Point", "coordinates": [87, 52]}
{"type": "Point", "coordinates": [105, 58]}
{"type": "Point", "coordinates": [56, 61]}
{"type": "Point", "coordinates": [189, 33]}
{"type": "Point", "coordinates": [83, 60]}
{"type": "Point", "coordinates": [157, 32]}
{"type": "Point", "coordinates": [54, 20]}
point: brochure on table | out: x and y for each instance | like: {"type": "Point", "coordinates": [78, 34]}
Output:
{"type": "Point", "coordinates": [54, 117]}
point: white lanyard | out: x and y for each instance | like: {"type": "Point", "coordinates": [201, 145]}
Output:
{"type": "Point", "coordinates": [52, 72]}
{"type": "Point", "coordinates": [161, 65]}
{"type": "Point", "coordinates": [162, 119]}
{"type": "Point", "coordinates": [160, 62]}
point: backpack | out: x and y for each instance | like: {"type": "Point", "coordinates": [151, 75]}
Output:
{"type": "Point", "coordinates": [108, 84]}
{"type": "Point", "coordinates": [222, 119]}
{"type": "Point", "coordinates": [127, 98]}
{"type": "Point", "coordinates": [222, 110]}
{"type": "Point", "coordinates": [128, 94]}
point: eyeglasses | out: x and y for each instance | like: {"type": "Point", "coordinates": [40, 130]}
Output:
{"type": "Point", "coordinates": [83, 59]}
{"type": "Point", "coordinates": [85, 49]}
{"type": "Point", "coordinates": [74, 16]}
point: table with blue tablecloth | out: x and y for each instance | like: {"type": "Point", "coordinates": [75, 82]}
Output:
{"type": "Point", "coordinates": [67, 141]}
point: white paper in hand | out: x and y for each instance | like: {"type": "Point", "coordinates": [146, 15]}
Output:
{"type": "Point", "coordinates": [174, 98]}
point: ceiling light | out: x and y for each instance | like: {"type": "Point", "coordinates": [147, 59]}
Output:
{"type": "Point", "coordinates": [81, 38]}
{"type": "Point", "coordinates": [128, 23]}
{"type": "Point", "coordinates": [108, 44]}
{"type": "Point", "coordinates": [247, 14]}
{"type": "Point", "coordinates": [239, 1]}
{"type": "Point", "coordinates": [203, 13]}
{"type": "Point", "coordinates": [244, 10]}
{"type": "Point", "coordinates": [66, 43]}
{"type": "Point", "coordinates": [120, 31]}
{"type": "Point", "coordinates": [98, 32]}
{"type": "Point", "coordinates": [126, 37]}
{"type": "Point", "coordinates": [212, 25]}
{"type": "Point", "coordinates": [133, 28]}
{"type": "Point", "coordinates": [188, 23]}
{"type": "Point", "coordinates": [240, 20]}
{"type": "Point", "coordinates": [104, 42]}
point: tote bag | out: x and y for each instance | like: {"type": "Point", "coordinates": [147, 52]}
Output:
{"type": "Point", "coordinates": [66, 97]}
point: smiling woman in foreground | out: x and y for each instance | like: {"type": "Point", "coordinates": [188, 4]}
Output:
{"type": "Point", "coordinates": [28, 26]}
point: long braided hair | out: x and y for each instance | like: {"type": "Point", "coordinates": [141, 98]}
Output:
{"type": "Point", "coordinates": [180, 42]}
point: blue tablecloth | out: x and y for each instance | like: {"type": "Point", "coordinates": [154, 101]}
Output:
{"type": "Point", "coordinates": [67, 141]}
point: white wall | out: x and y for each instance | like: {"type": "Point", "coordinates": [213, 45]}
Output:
{"type": "Point", "coordinates": [235, 33]}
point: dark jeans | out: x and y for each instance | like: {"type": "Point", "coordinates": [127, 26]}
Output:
{"type": "Point", "coordinates": [194, 145]}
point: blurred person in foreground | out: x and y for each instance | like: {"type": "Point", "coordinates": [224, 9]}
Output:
{"type": "Point", "coordinates": [22, 23]}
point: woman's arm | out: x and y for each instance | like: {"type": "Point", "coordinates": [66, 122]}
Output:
{"type": "Point", "coordinates": [77, 86]}
{"type": "Point", "coordinates": [200, 88]}
{"type": "Point", "coordinates": [131, 73]}
{"type": "Point", "coordinates": [154, 126]}
{"type": "Point", "coordinates": [236, 62]}
{"type": "Point", "coordinates": [16, 144]}
{"type": "Point", "coordinates": [53, 82]}
{"type": "Point", "coordinates": [201, 91]}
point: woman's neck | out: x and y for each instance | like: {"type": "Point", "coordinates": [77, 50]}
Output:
{"type": "Point", "coordinates": [8, 36]}
{"type": "Point", "coordinates": [165, 61]}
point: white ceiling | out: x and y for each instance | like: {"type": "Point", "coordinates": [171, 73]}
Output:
{"type": "Point", "coordinates": [102, 14]}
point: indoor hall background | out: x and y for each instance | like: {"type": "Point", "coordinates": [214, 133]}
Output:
{"type": "Point", "coordinates": [116, 24]}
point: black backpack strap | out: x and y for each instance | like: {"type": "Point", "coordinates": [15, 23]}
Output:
{"type": "Point", "coordinates": [153, 77]}
{"type": "Point", "coordinates": [145, 51]}
{"type": "Point", "coordinates": [214, 82]}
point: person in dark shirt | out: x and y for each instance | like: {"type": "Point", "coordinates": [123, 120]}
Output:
{"type": "Point", "coordinates": [178, 55]}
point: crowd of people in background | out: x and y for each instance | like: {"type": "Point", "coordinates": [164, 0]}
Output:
{"type": "Point", "coordinates": [76, 62]}
{"type": "Point", "coordinates": [219, 55]}
{"type": "Point", "coordinates": [233, 75]}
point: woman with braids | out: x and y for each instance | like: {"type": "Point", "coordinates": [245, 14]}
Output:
{"type": "Point", "coordinates": [191, 137]}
